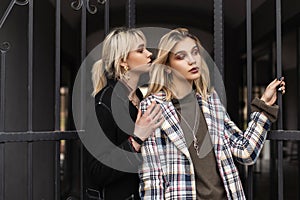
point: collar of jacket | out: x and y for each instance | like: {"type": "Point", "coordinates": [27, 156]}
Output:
{"type": "Point", "coordinates": [172, 128]}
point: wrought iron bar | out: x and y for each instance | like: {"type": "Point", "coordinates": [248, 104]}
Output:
{"type": "Point", "coordinates": [92, 9]}
{"type": "Point", "coordinates": [4, 47]}
{"type": "Point", "coordinates": [57, 96]}
{"type": "Point", "coordinates": [298, 97]}
{"type": "Point", "coordinates": [219, 36]}
{"type": "Point", "coordinates": [280, 135]}
{"type": "Point", "coordinates": [249, 87]}
{"type": "Point", "coordinates": [6, 137]}
{"type": "Point", "coordinates": [130, 12]}
{"type": "Point", "coordinates": [279, 74]}
{"type": "Point", "coordinates": [2, 170]}
{"type": "Point", "coordinates": [9, 8]}
{"type": "Point", "coordinates": [83, 89]}
{"type": "Point", "coordinates": [30, 100]}
{"type": "Point", "coordinates": [106, 18]}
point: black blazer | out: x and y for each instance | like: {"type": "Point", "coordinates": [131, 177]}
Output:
{"type": "Point", "coordinates": [103, 180]}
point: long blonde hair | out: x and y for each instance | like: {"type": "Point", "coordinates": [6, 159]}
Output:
{"type": "Point", "coordinates": [161, 75]}
{"type": "Point", "coordinates": [116, 47]}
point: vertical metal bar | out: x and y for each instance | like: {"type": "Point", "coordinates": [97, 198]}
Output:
{"type": "Point", "coordinates": [249, 86]}
{"type": "Point", "coordinates": [279, 74]}
{"type": "Point", "coordinates": [298, 94]}
{"type": "Point", "coordinates": [82, 96]}
{"type": "Point", "coordinates": [2, 124]}
{"type": "Point", "coordinates": [2, 98]}
{"type": "Point", "coordinates": [106, 18]}
{"type": "Point", "coordinates": [2, 170]}
{"type": "Point", "coordinates": [57, 97]}
{"type": "Point", "coordinates": [130, 11]}
{"type": "Point", "coordinates": [30, 99]}
{"type": "Point", "coordinates": [273, 161]}
{"type": "Point", "coordinates": [219, 35]}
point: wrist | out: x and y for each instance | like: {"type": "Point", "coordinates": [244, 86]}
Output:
{"type": "Point", "coordinates": [134, 144]}
{"type": "Point", "coordinates": [137, 139]}
{"type": "Point", "coordinates": [264, 100]}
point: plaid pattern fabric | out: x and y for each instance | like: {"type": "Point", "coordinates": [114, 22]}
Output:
{"type": "Point", "coordinates": [167, 171]}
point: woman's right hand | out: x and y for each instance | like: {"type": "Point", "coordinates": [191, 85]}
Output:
{"type": "Point", "coordinates": [146, 123]}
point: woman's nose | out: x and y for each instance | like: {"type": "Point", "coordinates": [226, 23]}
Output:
{"type": "Point", "coordinates": [148, 53]}
{"type": "Point", "coordinates": [191, 60]}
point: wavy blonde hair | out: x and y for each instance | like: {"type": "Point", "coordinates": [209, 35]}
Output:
{"type": "Point", "coordinates": [116, 47]}
{"type": "Point", "coordinates": [161, 75]}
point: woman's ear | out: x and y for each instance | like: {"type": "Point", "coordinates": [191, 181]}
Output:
{"type": "Point", "coordinates": [168, 70]}
{"type": "Point", "coordinates": [124, 64]}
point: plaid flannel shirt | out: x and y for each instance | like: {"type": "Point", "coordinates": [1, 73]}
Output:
{"type": "Point", "coordinates": [167, 171]}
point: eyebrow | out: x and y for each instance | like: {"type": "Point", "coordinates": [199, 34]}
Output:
{"type": "Point", "coordinates": [141, 46]}
{"type": "Point", "coordinates": [185, 51]}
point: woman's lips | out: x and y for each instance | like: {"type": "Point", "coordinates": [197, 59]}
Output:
{"type": "Point", "coordinates": [194, 70]}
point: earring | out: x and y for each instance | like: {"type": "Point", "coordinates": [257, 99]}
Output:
{"type": "Point", "coordinates": [126, 73]}
{"type": "Point", "coordinates": [126, 68]}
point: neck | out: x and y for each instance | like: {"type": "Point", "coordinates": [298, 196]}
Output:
{"type": "Point", "coordinates": [182, 88]}
{"type": "Point", "coordinates": [133, 80]}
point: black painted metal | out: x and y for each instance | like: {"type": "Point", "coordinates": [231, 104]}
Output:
{"type": "Point", "coordinates": [130, 12]}
{"type": "Point", "coordinates": [2, 170]}
{"type": "Point", "coordinates": [280, 135]}
{"type": "Point", "coordinates": [279, 74]}
{"type": "Point", "coordinates": [30, 100]}
{"type": "Point", "coordinates": [7, 137]}
{"type": "Point", "coordinates": [298, 97]}
{"type": "Point", "coordinates": [3, 49]}
{"type": "Point", "coordinates": [57, 97]}
{"type": "Point", "coordinates": [9, 8]}
{"type": "Point", "coordinates": [83, 87]}
{"type": "Point", "coordinates": [106, 17]}
{"type": "Point", "coordinates": [219, 35]}
{"type": "Point", "coordinates": [249, 91]}
{"type": "Point", "coordinates": [2, 98]}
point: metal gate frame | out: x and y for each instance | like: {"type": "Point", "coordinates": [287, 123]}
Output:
{"type": "Point", "coordinates": [56, 135]}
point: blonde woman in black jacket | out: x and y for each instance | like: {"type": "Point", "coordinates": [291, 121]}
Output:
{"type": "Point", "coordinates": [115, 77]}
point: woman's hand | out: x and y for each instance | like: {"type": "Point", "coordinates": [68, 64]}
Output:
{"type": "Point", "coordinates": [147, 123]}
{"type": "Point", "coordinates": [270, 94]}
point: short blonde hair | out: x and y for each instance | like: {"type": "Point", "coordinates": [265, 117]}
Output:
{"type": "Point", "coordinates": [160, 74]}
{"type": "Point", "coordinates": [116, 47]}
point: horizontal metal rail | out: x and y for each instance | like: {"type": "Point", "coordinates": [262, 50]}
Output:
{"type": "Point", "coordinates": [6, 137]}
{"type": "Point", "coordinates": [284, 135]}
{"type": "Point", "coordinates": [73, 135]}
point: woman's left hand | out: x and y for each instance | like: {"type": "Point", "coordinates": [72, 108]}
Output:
{"type": "Point", "coordinates": [270, 94]}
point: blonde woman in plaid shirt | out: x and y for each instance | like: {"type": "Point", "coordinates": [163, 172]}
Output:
{"type": "Point", "coordinates": [191, 156]}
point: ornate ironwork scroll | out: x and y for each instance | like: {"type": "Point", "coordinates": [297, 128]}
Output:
{"type": "Point", "coordinates": [91, 8]}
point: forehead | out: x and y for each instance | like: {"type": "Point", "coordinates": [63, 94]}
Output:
{"type": "Point", "coordinates": [184, 45]}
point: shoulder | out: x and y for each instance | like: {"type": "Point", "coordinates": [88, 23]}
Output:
{"type": "Point", "coordinates": [104, 95]}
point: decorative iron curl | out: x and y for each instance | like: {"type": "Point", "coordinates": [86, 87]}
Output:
{"type": "Point", "coordinates": [77, 4]}
{"type": "Point", "coordinates": [22, 3]}
{"type": "Point", "coordinates": [4, 47]}
{"type": "Point", "coordinates": [92, 9]}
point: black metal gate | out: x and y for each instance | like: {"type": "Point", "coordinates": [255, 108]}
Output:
{"type": "Point", "coordinates": [30, 135]}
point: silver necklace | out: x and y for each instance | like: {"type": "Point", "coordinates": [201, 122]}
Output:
{"type": "Point", "coordinates": [195, 140]}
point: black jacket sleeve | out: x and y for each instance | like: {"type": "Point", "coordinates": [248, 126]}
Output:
{"type": "Point", "coordinates": [104, 172]}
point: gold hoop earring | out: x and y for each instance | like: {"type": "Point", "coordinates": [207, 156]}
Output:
{"type": "Point", "coordinates": [126, 68]}
{"type": "Point", "coordinates": [126, 73]}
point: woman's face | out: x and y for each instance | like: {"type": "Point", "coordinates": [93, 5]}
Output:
{"type": "Point", "coordinates": [139, 57]}
{"type": "Point", "coordinates": [185, 58]}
